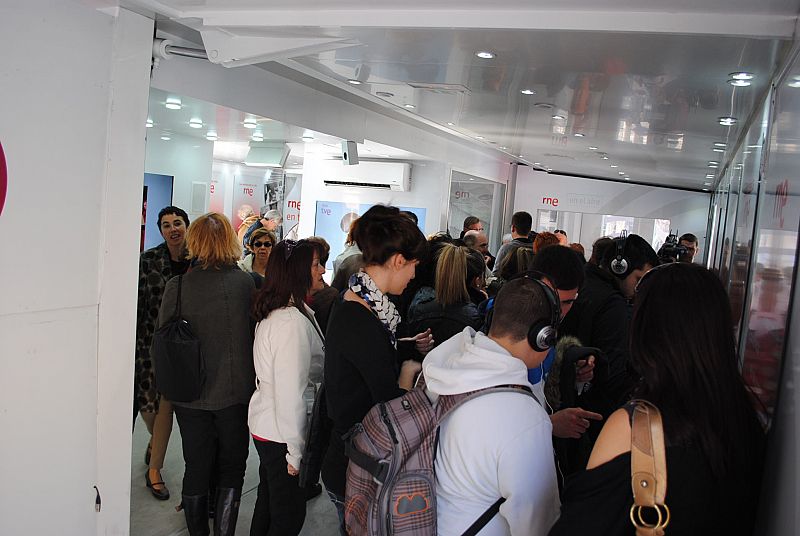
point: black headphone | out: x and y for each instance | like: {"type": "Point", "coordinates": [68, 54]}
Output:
{"type": "Point", "coordinates": [542, 335]}
{"type": "Point", "coordinates": [619, 265]}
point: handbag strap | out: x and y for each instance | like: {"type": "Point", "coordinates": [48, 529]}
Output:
{"type": "Point", "coordinates": [648, 469]}
{"type": "Point", "coordinates": [177, 315]}
{"type": "Point", "coordinates": [484, 519]}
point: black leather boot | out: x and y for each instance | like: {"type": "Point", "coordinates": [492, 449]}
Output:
{"type": "Point", "coordinates": [195, 508]}
{"type": "Point", "coordinates": [227, 513]}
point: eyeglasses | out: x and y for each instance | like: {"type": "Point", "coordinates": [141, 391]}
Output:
{"type": "Point", "coordinates": [259, 244]}
{"type": "Point", "coordinates": [560, 231]}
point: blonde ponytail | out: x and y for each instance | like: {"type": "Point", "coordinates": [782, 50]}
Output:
{"type": "Point", "coordinates": [451, 275]}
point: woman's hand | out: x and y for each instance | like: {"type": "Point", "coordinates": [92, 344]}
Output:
{"type": "Point", "coordinates": [291, 470]}
{"type": "Point", "coordinates": [408, 372]}
{"type": "Point", "coordinates": [423, 342]}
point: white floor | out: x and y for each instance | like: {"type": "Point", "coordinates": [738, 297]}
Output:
{"type": "Point", "coordinates": [151, 517]}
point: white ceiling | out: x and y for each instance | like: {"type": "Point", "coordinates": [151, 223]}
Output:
{"type": "Point", "coordinates": [644, 82]}
{"type": "Point", "coordinates": [234, 138]}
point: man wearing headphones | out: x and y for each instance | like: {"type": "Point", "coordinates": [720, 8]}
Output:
{"type": "Point", "coordinates": [497, 441]}
{"type": "Point", "coordinates": [600, 318]}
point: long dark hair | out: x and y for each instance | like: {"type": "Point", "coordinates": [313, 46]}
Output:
{"type": "Point", "coordinates": [288, 277]}
{"type": "Point", "coordinates": [682, 345]}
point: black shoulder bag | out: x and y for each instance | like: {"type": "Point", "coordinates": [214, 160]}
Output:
{"type": "Point", "coordinates": [179, 367]}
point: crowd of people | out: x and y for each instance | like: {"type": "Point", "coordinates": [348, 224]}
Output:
{"type": "Point", "coordinates": [583, 338]}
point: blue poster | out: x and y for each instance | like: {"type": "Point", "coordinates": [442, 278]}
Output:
{"type": "Point", "coordinates": [158, 190]}
{"type": "Point", "coordinates": [333, 219]}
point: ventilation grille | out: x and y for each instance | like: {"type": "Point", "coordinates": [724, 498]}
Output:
{"type": "Point", "coordinates": [359, 185]}
{"type": "Point", "coordinates": [199, 190]}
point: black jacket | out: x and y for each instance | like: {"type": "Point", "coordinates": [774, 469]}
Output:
{"type": "Point", "coordinates": [444, 322]}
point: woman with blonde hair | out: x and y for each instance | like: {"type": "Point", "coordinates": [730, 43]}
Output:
{"type": "Point", "coordinates": [215, 300]}
{"type": "Point", "coordinates": [451, 305]}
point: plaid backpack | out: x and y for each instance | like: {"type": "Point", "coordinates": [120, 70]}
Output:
{"type": "Point", "coordinates": [391, 485]}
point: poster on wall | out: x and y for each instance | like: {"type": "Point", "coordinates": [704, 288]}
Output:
{"type": "Point", "coordinates": [156, 195]}
{"type": "Point", "coordinates": [333, 219]}
{"type": "Point", "coordinates": [246, 198]}
{"type": "Point", "coordinates": [216, 196]}
{"type": "Point", "coordinates": [470, 199]}
{"type": "Point", "coordinates": [291, 206]}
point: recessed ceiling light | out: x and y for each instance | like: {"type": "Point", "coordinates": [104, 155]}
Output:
{"type": "Point", "coordinates": [614, 166]}
{"type": "Point", "coordinates": [503, 147]}
{"type": "Point", "coordinates": [211, 135]}
{"type": "Point", "coordinates": [718, 150]}
{"type": "Point", "coordinates": [195, 123]}
{"type": "Point", "coordinates": [485, 54]}
{"type": "Point", "coordinates": [558, 117]}
{"type": "Point", "coordinates": [579, 134]}
{"type": "Point", "coordinates": [741, 75]}
{"type": "Point", "coordinates": [479, 138]}
{"type": "Point", "coordinates": [355, 82]}
{"type": "Point", "coordinates": [537, 164]}
{"type": "Point", "coordinates": [604, 157]}
{"type": "Point", "coordinates": [706, 184]}
{"type": "Point", "coordinates": [173, 103]}
{"type": "Point", "coordinates": [794, 83]}
{"type": "Point", "coordinates": [720, 144]}
{"type": "Point", "coordinates": [627, 178]}
{"type": "Point", "coordinates": [409, 106]}
{"type": "Point", "coordinates": [166, 137]}
{"type": "Point", "coordinates": [257, 136]}
{"type": "Point", "coordinates": [754, 147]}
{"type": "Point", "coordinates": [521, 156]}
{"type": "Point", "coordinates": [471, 179]}
{"type": "Point", "coordinates": [307, 137]}
{"type": "Point", "coordinates": [449, 124]}
{"type": "Point", "coordinates": [592, 148]}
{"type": "Point", "coordinates": [249, 123]}
{"type": "Point", "coordinates": [739, 83]}
{"type": "Point", "coordinates": [727, 121]}
{"type": "Point", "coordinates": [384, 94]}
{"type": "Point", "coordinates": [621, 172]}
{"type": "Point", "coordinates": [148, 123]}
{"type": "Point", "coordinates": [710, 176]}
{"type": "Point", "coordinates": [527, 91]}
{"type": "Point", "coordinates": [713, 163]}
{"type": "Point", "coordinates": [705, 189]}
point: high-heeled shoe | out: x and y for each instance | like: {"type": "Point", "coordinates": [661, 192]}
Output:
{"type": "Point", "coordinates": [162, 493]}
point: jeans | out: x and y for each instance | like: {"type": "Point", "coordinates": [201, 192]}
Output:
{"type": "Point", "coordinates": [206, 434]}
{"type": "Point", "coordinates": [281, 504]}
{"type": "Point", "coordinates": [338, 502]}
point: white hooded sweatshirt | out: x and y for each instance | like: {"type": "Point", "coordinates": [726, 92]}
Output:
{"type": "Point", "coordinates": [498, 445]}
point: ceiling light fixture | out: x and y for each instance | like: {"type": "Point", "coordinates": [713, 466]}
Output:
{"type": "Point", "coordinates": [479, 138]}
{"type": "Point", "coordinates": [449, 124]}
{"type": "Point", "coordinates": [579, 134]}
{"type": "Point", "coordinates": [621, 172]}
{"type": "Point", "coordinates": [148, 123]}
{"type": "Point", "coordinates": [741, 75]}
{"type": "Point", "coordinates": [604, 157]}
{"type": "Point", "coordinates": [718, 150]}
{"type": "Point", "coordinates": [503, 147]}
{"type": "Point", "coordinates": [592, 148]}
{"type": "Point", "coordinates": [720, 144]}
{"type": "Point", "coordinates": [257, 136]}
{"type": "Point", "coordinates": [706, 184]}
{"type": "Point", "coordinates": [195, 123]}
{"type": "Point", "coordinates": [754, 147]}
{"type": "Point", "coordinates": [627, 178]}
{"type": "Point", "coordinates": [705, 189]}
{"type": "Point", "coordinates": [739, 83]}
{"type": "Point", "coordinates": [173, 103]}
{"type": "Point", "coordinates": [528, 91]}
{"type": "Point", "coordinates": [249, 123]}
{"type": "Point", "coordinates": [614, 166]}
{"type": "Point", "coordinates": [409, 106]}
{"type": "Point", "coordinates": [537, 163]}
{"type": "Point", "coordinates": [710, 176]}
{"type": "Point", "coordinates": [727, 121]}
{"type": "Point", "coordinates": [307, 137]}
{"type": "Point", "coordinates": [521, 156]}
{"type": "Point", "coordinates": [795, 83]}
{"type": "Point", "coordinates": [384, 94]}
{"type": "Point", "coordinates": [558, 117]}
{"type": "Point", "coordinates": [355, 82]}
{"type": "Point", "coordinates": [211, 135]}
{"type": "Point", "coordinates": [166, 137]}
{"type": "Point", "coordinates": [485, 54]}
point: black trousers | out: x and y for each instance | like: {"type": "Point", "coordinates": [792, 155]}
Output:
{"type": "Point", "coordinates": [208, 434]}
{"type": "Point", "coordinates": [281, 503]}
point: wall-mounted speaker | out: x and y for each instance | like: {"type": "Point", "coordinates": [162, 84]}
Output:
{"type": "Point", "coordinates": [349, 153]}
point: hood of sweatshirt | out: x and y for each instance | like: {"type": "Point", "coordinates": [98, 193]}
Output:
{"type": "Point", "coordinates": [470, 361]}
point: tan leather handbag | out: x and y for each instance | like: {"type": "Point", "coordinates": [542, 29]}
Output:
{"type": "Point", "coordinates": [648, 470]}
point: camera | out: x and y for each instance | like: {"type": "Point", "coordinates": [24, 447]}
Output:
{"type": "Point", "coordinates": [671, 251]}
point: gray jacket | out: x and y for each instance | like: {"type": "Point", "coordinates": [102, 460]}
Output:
{"type": "Point", "coordinates": [216, 303]}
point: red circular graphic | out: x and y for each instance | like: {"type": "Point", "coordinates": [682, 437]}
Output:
{"type": "Point", "coordinates": [3, 178]}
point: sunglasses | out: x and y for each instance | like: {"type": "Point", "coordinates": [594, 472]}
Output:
{"type": "Point", "coordinates": [257, 244]}
{"type": "Point", "coordinates": [560, 231]}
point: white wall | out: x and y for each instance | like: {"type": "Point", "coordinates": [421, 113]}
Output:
{"type": "Point", "coordinates": [429, 189]}
{"type": "Point", "coordinates": [687, 211]}
{"type": "Point", "coordinates": [187, 159]}
{"type": "Point", "coordinates": [74, 101]}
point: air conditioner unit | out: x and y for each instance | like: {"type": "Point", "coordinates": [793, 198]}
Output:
{"type": "Point", "coordinates": [378, 175]}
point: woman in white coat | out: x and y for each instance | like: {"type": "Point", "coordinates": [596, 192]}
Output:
{"type": "Point", "coordinates": [288, 347]}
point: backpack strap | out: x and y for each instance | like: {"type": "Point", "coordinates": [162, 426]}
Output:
{"type": "Point", "coordinates": [487, 516]}
{"type": "Point", "coordinates": [379, 469]}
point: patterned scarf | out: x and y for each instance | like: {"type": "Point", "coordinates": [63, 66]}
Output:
{"type": "Point", "coordinates": [365, 288]}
